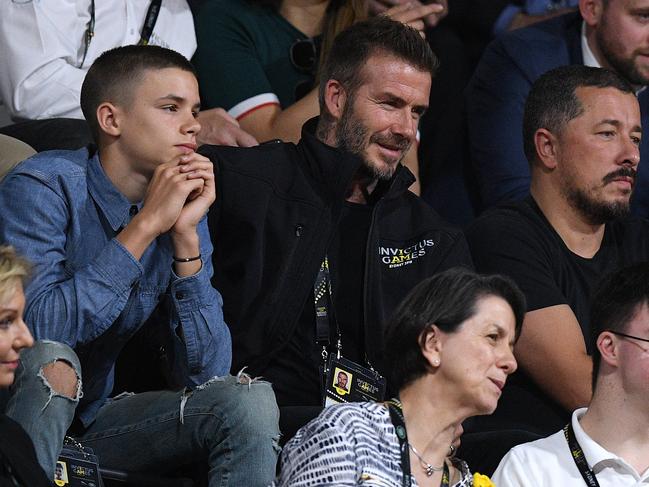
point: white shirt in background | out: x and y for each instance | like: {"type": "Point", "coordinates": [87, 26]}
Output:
{"type": "Point", "coordinates": [42, 44]}
{"type": "Point", "coordinates": [548, 462]}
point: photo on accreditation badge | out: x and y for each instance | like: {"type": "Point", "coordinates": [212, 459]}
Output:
{"type": "Point", "coordinates": [61, 474]}
{"type": "Point", "coordinates": [342, 381]}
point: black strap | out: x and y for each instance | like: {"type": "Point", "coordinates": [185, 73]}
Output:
{"type": "Point", "coordinates": [396, 415]}
{"type": "Point", "coordinates": [149, 22]}
{"type": "Point", "coordinates": [322, 301]}
{"type": "Point", "coordinates": [579, 458]}
{"type": "Point", "coordinates": [324, 311]}
{"type": "Point", "coordinates": [147, 29]}
{"type": "Point", "coordinates": [90, 32]}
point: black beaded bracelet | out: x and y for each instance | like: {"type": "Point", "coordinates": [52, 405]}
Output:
{"type": "Point", "coordinates": [187, 259]}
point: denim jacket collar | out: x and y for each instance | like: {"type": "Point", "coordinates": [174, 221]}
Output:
{"type": "Point", "coordinates": [113, 204]}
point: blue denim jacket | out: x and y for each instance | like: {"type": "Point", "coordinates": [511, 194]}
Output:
{"type": "Point", "coordinates": [60, 210]}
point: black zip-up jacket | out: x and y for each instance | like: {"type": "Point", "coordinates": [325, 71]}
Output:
{"type": "Point", "coordinates": [276, 211]}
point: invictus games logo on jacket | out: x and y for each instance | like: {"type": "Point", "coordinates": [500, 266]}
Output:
{"type": "Point", "coordinates": [396, 257]}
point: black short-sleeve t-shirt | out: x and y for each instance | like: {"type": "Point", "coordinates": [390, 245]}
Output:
{"type": "Point", "coordinates": [518, 241]}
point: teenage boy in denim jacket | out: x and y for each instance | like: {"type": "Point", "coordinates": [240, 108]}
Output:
{"type": "Point", "coordinates": [116, 237]}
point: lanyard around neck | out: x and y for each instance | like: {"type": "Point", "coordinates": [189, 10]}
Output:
{"type": "Point", "coordinates": [579, 458]}
{"type": "Point", "coordinates": [323, 301]}
{"type": "Point", "coordinates": [90, 32]}
{"type": "Point", "coordinates": [149, 22]}
{"type": "Point", "coordinates": [147, 29]}
{"type": "Point", "coordinates": [396, 415]}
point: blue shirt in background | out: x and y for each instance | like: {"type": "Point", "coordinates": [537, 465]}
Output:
{"type": "Point", "coordinates": [530, 7]}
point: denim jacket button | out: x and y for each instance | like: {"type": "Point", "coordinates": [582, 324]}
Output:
{"type": "Point", "coordinates": [180, 295]}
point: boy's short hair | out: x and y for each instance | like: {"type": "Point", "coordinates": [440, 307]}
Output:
{"type": "Point", "coordinates": [114, 75]}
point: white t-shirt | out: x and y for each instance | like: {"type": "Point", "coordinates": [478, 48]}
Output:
{"type": "Point", "coordinates": [548, 462]}
{"type": "Point", "coordinates": [42, 44]}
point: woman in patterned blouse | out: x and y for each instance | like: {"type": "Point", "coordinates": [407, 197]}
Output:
{"type": "Point", "coordinates": [449, 350]}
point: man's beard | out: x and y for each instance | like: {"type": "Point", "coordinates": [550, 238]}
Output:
{"type": "Point", "coordinates": [352, 136]}
{"type": "Point", "coordinates": [599, 212]}
{"type": "Point", "coordinates": [625, 67]}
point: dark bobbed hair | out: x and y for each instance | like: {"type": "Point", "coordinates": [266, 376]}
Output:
{"type": "Point", "coordinates": [616, 300]}
{"type": "Point", "coordinates": [355, 45]}
{"type": "Point", "coordinates": [445, 300]}
{"type": "Point", "coordinates": [115, 73]}
{"type": "Point", "coordinates": [553, 102]}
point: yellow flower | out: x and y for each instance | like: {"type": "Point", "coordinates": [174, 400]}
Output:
{"type": "Point", "coordinates": [480, 480]}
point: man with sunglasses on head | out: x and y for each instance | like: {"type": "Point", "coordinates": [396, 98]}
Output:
{"type": "Point", "coordinates": [606, 444]}
{"type": "Point", "coordinates": [582, 136]}
{"type": "Point", "coordinates": [46, 49]}
{"type": "Point", "coordinates": [316, 243]}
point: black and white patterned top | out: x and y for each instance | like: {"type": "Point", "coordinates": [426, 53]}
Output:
{"type": "Point", "coordinates": [348, 444]}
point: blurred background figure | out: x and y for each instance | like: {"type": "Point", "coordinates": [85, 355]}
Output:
{"type": "Point", "coordinates": [46, 49]}
{"type": "Point", "coordinates": [12, 151]}
{"type": "Point", "coordinates": [448, 180]}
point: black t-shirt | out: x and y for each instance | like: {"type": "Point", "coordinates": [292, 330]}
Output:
{"type": "Point", "coordinates": [294, 371]}
{"type": "Point", "coordinates": [517, 240]}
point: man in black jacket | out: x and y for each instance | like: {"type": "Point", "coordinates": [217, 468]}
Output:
{"type": "Point", "coordinates": [330, 222]}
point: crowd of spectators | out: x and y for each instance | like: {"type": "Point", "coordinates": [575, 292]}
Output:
{"type": "Point", "coordinates": [228, 205]}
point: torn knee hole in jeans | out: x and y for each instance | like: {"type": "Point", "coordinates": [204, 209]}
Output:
{"type": "Point", "coordinates": [54, 392]}
{"type": "Point", "coordinates": [242, 378]}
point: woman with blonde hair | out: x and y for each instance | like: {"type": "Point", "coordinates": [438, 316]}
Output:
{"type": "Point", "coordinates": [18, 464]}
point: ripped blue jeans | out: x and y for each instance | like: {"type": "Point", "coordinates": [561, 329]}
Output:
{"type": "Point", "coordinates": [43, 414]}
{"type": "Point", "coordinates": [229, 422]}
